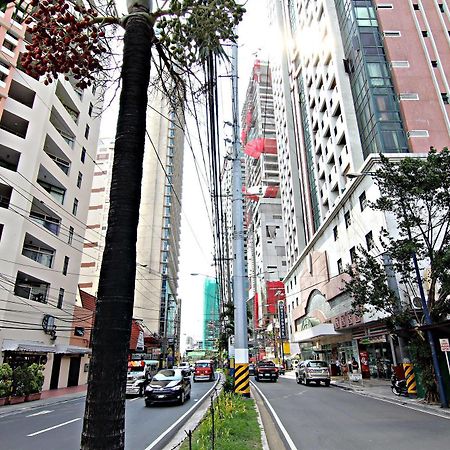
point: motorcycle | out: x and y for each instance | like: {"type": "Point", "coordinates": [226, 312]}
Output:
{"type": "Point", "coordinates": [399, 387]}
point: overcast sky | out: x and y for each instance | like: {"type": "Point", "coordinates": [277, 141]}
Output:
{"type": "Point", "coordinates": [253, 36]}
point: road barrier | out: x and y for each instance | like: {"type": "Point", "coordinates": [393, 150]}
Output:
{"type": "Point", "coordinates": [410, 378]}
{"type": "Point", "coordinates": [242, 380]}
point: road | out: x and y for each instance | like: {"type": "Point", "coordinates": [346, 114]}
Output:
{"type": "Point", "coordinates": [58, 426]}
{"type": "Point", "coordinates": [321, 418]}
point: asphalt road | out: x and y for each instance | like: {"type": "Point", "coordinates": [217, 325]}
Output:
{"type": "Point", "coordinates": [58, 426]}
{"type": "Point", "coordinates": [321, 418]}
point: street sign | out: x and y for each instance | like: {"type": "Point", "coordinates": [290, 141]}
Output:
{"type": "Point", "coordinates": [445, 345]}
{"type": "Point", "coordinates": [282, 319]}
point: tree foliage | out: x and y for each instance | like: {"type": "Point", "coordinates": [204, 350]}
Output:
{"type": "Point", "coordinates": [415, 193]}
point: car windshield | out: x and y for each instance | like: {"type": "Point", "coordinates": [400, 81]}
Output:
{"type": "Point", "coordinates": [317, 364]}
{"type": "Point", "coordinates": [167, 374]}
{"type": "Point", "coordinates": [202, 365]}
{"type": "Point", "coordinates": [266, 364]}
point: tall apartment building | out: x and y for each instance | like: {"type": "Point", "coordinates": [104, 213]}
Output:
{"type": "Point", "coordinates": [211, 313]}
{"type": "Point", "coordinates": [156, 304]}
{"type": "Point", "coordinates": [358, 78]}
{"type": "Point", "coordinates": [266, 260]}
{"type": "Point", "coordinates": [48, 137]}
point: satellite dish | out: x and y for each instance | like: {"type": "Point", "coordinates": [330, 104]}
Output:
{"type": "Point", "coordinates": [416, 303]}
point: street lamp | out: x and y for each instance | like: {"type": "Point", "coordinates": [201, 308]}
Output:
{"type": "Point", "coordinates": [426, 312]}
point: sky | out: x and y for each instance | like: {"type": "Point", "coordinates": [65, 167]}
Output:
{"type": "Point", "coordinates": [253, 36]}
{"type": "Point", "coordinates": [196, 246]}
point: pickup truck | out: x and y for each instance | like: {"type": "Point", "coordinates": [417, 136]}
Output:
{"type": "Point", "coordinates": [266, 370]}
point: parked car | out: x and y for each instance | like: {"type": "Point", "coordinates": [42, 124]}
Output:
{"type": "Point", "coordinates": [251, 369]}
{"type": "Point", "coordinates": [266, 370]}
{"type": "Point", "coordinates": [281, 369]}
{"type": "Point", "coordinates": [169, 385]}
{"type": "Point", "coordinates": [312, 370]}
{"type": "Point", "coordinates": [204, 370]}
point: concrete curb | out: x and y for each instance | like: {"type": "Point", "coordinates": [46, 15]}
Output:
{"type": "Point", "coordinates": [264, 441]}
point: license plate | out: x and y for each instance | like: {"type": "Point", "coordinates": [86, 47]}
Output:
{"type": "Point", "coordinates": [161, 396]}
{"type": "Point", "coordinates": [266, 375]}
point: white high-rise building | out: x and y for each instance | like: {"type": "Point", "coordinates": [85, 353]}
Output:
{"type": "Point", "coordinates": [156, 302]}
{"type": "Point", "coordinates": [48, 138]}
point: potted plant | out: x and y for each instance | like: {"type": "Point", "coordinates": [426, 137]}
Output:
{"type": "Point", "coordinates": [5, 383]}
{"type": "Point", "coordinates": [36, 380]}
{"type": "Point", "coordinates": [19, 385]}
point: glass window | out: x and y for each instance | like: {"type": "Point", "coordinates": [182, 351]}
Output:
{"type": "Point", "coordinates": [83, 155]}
{"type": "Point", "coordinates": [70, 235]}
{"type": "Point", "coordinates": [60, 298]}
{"type": "Point", "coordinates": [66, 265]}
{"type": "Point", "coordinates": [75, 206]}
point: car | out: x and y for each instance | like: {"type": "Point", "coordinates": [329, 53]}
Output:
{"type": "Point", "coordinates": [169, 385]}
{"type": "Point", "coordinates": [281, 369]}
{"type": "Point", "coordinates": [185, 365]}
{"type": "Point", "coordinates": [251, 369]}
{"type": "Point", "coordinates": [313, 370]}
{"type": "Point", "coordinates": [266, 370]}
{"type": "Point", "coordinates": [204, 370]}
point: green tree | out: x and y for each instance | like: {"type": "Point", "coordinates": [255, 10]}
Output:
{"type": "Point", "coordinates": [68, 41]}
{"type": "Point", "coordinates": [415, 192]}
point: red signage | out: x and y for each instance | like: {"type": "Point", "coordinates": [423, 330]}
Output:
{"type": "Point", "coordinates": [275, 293]}
{"type": "Point", "coordinates": [346, 320]}
{"type": "Point", "coordinates": [364, 360]}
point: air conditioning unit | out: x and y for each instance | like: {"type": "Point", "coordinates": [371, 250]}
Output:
{"type": "Point", "coordinates": [416, 303]}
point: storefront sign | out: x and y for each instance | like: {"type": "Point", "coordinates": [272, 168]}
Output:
{"type": "Point", "coordinates": [373, 339]}
{"type": "Point", "coordinates": [346, 320]}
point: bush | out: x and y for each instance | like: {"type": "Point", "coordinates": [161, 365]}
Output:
{"type": "Point", "coordinates": [20, 381]}
{"type": "Point", "coordinates": [228, 386]}
{"type": "Point", "coordinates": [6, 374]}
{"type": "Point", "coordinates": [36, 374]}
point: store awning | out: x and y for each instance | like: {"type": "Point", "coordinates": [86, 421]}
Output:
{"type": "Point", "coordinates": [27, 346]}
{"type": "Point", "coordinates": [72, 350]}
{"type": "Point", "coordinates": [315, 333]}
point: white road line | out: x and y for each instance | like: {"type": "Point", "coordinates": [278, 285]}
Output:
{"type": "Point", "coordinates": [52, 428]}
{"type": "Point", "coordinates": [277, 419]}
{"type": "Point", "coordinates": [134, 399]}
{"type": "Point", "coordinates": [160, 437]}
{"type": "Point", "coordinates": [40, 413]}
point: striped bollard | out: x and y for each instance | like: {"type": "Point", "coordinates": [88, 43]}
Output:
{"type": "Point", "coordinates": [410, 378]}
{"type": "Point", "coordinates": [242, 380]}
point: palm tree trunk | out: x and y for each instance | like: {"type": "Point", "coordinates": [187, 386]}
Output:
{"type": "Point", "coordinates": [104, 418]}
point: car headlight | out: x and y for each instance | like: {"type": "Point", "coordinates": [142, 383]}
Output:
{"type": "Point", "coordinates": [177, 387]}
{"type": "Point", "coordinates": [148, 389]}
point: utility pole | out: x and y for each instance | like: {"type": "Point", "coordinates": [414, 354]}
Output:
{"type": "Point", "coordinates": [241, 373]}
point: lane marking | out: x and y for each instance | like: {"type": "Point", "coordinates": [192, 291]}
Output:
{"type": "Point", "coordinates": [277, 419]}
{"type": "Point", "coordinates": [163, 435]}
{"type": "Point", "coordinates": [40, 413]}
{"type": "Point", "coordinates": [134, 399]}
{"type": "Point", "coordinates": [52, 428]}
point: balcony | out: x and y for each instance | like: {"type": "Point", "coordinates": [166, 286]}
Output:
{"type": "Point", "coordinates": [45, 217]}
{"type": "Point", "coordinates": [67, 102]}
{"type": "Point", "coordinates": [62, 128]}
{"type": "Point", "coordinates": [14, 124]}
{"type": "Point", "coordinates": [5, 195]}
{"type": "Point", "coordinates": [9, 158]}
{"type": "Point", "coordinates": [38, 251]}
{"type": "Point", "coordinates": [31, 288]}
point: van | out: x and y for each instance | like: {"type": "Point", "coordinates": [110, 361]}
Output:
{"type": "Point", "coordinates": [204, 370]}
{"type": "Point", "coordinates": [139, 374]}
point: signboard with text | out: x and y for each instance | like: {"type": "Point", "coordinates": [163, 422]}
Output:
{"type": "Point", "coordinates": [282, 319]}
{"type": "Point", "coordinates": [445, 345]}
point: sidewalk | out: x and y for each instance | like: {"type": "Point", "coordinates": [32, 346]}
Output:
{"type": "Point", "coordinates": [50, 397]}
{"type": "Point", "coordinates": [381, 390]}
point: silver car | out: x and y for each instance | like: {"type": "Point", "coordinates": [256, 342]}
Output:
{"type": "Point", "coordinates": [312, 370]}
